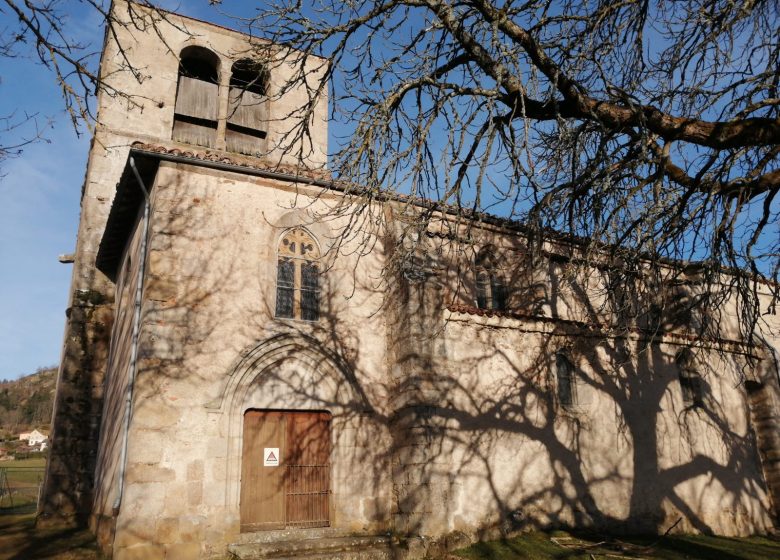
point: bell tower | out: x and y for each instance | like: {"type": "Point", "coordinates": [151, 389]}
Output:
{"type": "Point", "coordinates": [181, 86]}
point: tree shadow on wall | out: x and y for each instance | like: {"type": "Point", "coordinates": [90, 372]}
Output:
{"type": "Point", "coordinates": [442, 421]}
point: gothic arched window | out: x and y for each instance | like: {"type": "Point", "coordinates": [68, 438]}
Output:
{"type": "Point", "coordinates": [298, 276]}
{"type": "Point", "coordinates": [197, 97]}
{"type": "Point", "coordinates": [248, 108]}
{"type": "Point", "coordinates": [566, 380]}
{"type": "Point", "coordinates": [491, 289]}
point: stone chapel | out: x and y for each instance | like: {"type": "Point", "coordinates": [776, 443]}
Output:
{"type": "Point", "coordinates": [240, 377]}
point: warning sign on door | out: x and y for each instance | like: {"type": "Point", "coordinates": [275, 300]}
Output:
{"type": "Point", "coordinates": [271, 457]}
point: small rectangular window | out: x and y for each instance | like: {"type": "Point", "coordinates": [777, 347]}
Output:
{"type": "Point", "coordinates": [567, 385]}
{"type": "Point", "coordinates": [691, 388]}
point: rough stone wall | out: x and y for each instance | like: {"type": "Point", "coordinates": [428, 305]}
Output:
{"type": "Point", "coordinates": [629, 456]}
{"type": "Point", "coordinates": [456, 412]}
{"type": "Point", "coordinates": [764, 399]}
{"type": "Point", "coordinates": [109, 449]}
{"type": "Point", "coordinates": [415, 310]}
{"type": "Point", "coordinates": [210, 349]}
{"type": "Point", "coordinates": [67, 493]}
{"type": "Point", "coordinates": [143, 113]}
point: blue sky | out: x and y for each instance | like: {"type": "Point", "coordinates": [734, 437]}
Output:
{"type": "Point", "coordinates": [39, 203]}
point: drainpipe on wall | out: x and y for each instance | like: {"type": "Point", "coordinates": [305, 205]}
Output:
{"type": "Point", "coordinates": [134, 348]}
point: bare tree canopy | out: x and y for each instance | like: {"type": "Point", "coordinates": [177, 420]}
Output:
{"type": "Point", "coordinates": [649, 127]}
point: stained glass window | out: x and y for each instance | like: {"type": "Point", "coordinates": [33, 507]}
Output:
{"type": "Point", "coordinates": [298, 277]}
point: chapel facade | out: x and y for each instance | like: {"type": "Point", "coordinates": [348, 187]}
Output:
{"type": "Point", "coordinates": [238, 372]}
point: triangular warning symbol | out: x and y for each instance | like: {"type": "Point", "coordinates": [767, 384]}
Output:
{"type": "Point", "coordinates": [271, 457]}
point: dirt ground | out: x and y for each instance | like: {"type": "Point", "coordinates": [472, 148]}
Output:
{"type": "Point", "coordinates": [21, 540]}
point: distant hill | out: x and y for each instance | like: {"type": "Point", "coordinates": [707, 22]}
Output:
{"type": "Point", "coordinates": [27, 403]}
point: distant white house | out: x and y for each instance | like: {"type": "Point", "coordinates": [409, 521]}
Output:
{"type": "Point", "coordinates": [34, 438]}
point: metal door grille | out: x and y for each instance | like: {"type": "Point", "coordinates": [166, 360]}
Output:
{"type": "Point", "coordinates": [307, 495]}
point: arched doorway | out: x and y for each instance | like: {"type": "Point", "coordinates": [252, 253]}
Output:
{"type": "Point", "coordinates": [295, 373]}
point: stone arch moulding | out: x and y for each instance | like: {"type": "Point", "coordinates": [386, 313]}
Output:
{"type": "Point", "coordinates": [291, 371]}
{"type": "Point", "coordinates": [322, 364]}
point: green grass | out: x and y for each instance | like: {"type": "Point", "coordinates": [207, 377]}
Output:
{"type": "Point", "coordinates": [24, 472]}
{"type": "Point", "coordinates": [24, 478]}
{"type": "Point", "coordinates": [36, 462]}
{"type": "Point", "coordinates": [543, 546]}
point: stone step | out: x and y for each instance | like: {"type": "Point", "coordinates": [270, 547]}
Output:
{"type": "Point", "coordinates": [336, 547]}
{"type": "Point", "coordinates": [295, 534]}
{"type": "Point", "coordinates": [364, 554]}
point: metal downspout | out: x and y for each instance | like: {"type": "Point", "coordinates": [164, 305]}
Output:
{"type": "Point", "coordinates": [134, 348]}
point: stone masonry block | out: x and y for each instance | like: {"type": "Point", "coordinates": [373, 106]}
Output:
{"type": "Point", "coordinates": [143, 498]}
{"type": "Point", "coordinates": [214, 495]}
{"type": "Point", "coordinates": [168, 530]}
{"type": "Point", "coordinates": [147, 447]}
{"type": "Point", "coordinates": [144, 472]}
{"type": "Point", "coordinates": [182, 551]}
{"type": "Point", "coordinates": [217, 448]}
{"type": "Point", "coordinates": [154, 413]}
{"type": "Point", "coordinates": [140, 552]}
{"type": "Point", "coordinates": [195, 493]}
{"type": "Point", "coordinates": [191, 528]}
{"type": "Point", "coordinates": [175, 501]}
{"type": "Point", "coordinates": [195, 470]}
{"type": "Point", "coordinates": [138, 533]}
{"type": "Point", "coordinates": [219, 470]}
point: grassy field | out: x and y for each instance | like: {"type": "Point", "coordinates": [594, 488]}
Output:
{"type": "Point", "coordinates": [563, 546]}
{"type": "Point", "coordinates": [25, 470]}
{"type": "Point", "coordinates": [23, 480]}
{"type": "Point", "coordinates": [39, 462]}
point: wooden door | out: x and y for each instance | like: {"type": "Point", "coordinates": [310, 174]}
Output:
{"type": "Point", "coordinates": [295, 490]}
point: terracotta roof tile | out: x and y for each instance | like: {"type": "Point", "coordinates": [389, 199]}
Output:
{"type": "Point", "coordinates": [247, 162]}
